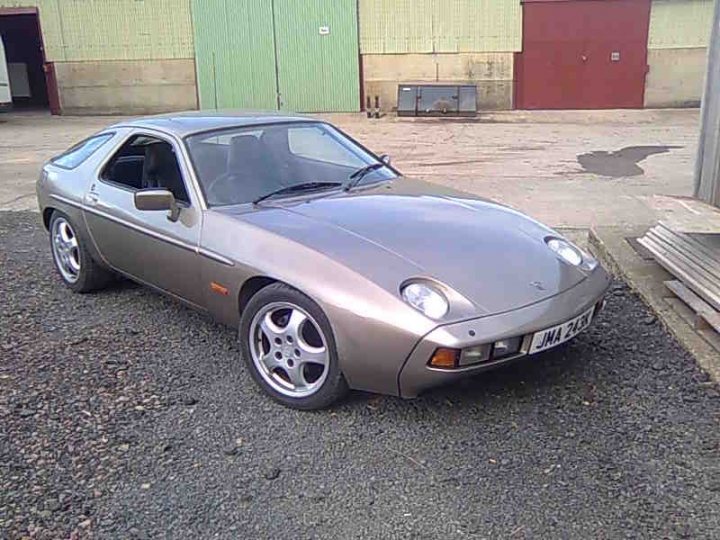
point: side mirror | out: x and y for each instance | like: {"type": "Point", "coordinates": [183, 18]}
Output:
{"type": "Point", "coordinates": [157, 199]}
{"type": "Point", "coordinates": [385, 159]}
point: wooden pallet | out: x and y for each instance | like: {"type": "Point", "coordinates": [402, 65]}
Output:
{"type": "Point", "coordinates": [701, 315]}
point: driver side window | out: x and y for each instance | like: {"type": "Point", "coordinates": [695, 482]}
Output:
{"type": "Point", "coordinates": [147, 162]}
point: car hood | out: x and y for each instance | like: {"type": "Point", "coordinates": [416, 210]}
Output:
{"type": "Point", "coordinates": [493, 256]}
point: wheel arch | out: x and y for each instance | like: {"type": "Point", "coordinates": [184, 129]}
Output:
{"type": "Point", "coordinates": [257, 283]}
{"type": "Point", "coordinates": [46, 215]}
{"type": "Point", "coordinates": [251, 287]}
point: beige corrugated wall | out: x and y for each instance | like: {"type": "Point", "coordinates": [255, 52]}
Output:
{"type": "Point", "coordinates": [78, 30]}
{"type": "Point", "coordinates": [676, 24]}
{"type": "Point", "coordinates": [445, 41]}
{"type": "Point", "coordinates": [119, 56]}
{"type": "Point", "coordinates": [440, 26]}
{"type": "Point", "coordinates": [677, 49]}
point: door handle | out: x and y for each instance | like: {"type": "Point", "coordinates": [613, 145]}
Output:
{"type": "Point", "coordinates": [91, 198]}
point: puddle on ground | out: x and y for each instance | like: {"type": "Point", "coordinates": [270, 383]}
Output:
{"type": "Point", "coordinates": [623, 162]}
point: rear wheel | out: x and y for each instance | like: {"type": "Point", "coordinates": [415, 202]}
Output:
{"type": "Point", "coordinates": [289, 348]}
{"type": "Point", "coordinates": [76, 267]}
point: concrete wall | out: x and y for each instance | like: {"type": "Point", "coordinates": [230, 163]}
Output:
{"type": "Point", "coordinates": [127, 86]}
{"type": "Point", "coordinates": [677, 51]}
{"type": "Point", "coordinates": [492, 73]}
{"type": "Point", "coordinates": [440, 41]}
{"type": "Point", "coordinates": [675, 78]}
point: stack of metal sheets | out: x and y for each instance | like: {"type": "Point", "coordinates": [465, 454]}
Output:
{"type": "Point", "coordinates": [694, 259]}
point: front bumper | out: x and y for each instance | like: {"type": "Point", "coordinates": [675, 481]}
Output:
{"type": "Point", "coordinates": [416, 376]}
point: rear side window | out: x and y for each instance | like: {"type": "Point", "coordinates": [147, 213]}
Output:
{"type": "Point", "coordinates": [81, 151]}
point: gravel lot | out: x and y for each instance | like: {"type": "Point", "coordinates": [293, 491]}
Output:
{"type": "Point", "coordinates": [125, 415]}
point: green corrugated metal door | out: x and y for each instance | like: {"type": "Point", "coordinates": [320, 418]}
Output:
{"type": "Point", "coordinates": [317, 55]}
{"type": "Point", "coordinates": [248, 50]}
{"type": "Point", "coordinates": [235, 54]}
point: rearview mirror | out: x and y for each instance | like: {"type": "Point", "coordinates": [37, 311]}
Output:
{"type": "Point", "coordinates": [385, 159]}
{"type": "Point", "coordinates": [157, 199]}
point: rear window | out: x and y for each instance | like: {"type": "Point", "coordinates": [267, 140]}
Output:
{"type": "Point", "coordinates": [81, 151]}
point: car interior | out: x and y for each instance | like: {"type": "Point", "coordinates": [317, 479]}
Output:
{"type": "Point", "coordinates": [147, 162]}
{"type": "Point", "coordinates": [237, 168]}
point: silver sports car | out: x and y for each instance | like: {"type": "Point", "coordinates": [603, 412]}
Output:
{"type": "Point", "coordinates": [338, 271]}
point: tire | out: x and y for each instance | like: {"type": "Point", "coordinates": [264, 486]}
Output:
{"type": "Point", "coordinates": [72, 260]}
{"type": "Point", "coordinates": [288, 346]}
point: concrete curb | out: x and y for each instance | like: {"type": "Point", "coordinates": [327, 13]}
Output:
{"type": "Point", "coordinates": [646, 278]}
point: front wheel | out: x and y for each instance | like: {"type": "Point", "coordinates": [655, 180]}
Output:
{"type": "Point", "coordinates": [289, 348]}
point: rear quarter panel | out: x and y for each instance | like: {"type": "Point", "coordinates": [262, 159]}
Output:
{"type": "Point", "coordinates": [63, 189]}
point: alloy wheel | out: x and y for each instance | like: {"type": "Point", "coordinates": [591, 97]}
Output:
{"type": "Point", "coordinates": [289, 349]}
{"type": "Point", "coordinates": [66, 249]}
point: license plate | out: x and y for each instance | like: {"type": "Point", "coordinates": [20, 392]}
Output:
{"type": "Point", "coordinates": [552, 337]}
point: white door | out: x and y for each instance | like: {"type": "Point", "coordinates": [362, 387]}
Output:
{"type": "Point", "coordinates": [5, 96]}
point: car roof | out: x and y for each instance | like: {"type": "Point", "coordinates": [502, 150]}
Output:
{"type": "Point", "coordinates": [187, 123]}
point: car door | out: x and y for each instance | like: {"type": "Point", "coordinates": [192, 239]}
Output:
{"type": "Point", "coordinates": [147, 245]}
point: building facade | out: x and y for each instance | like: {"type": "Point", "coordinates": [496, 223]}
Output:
{"type": "Point", "coordinates": [440, 41]}
{"type": "Point", "coordinates": [278, 54]}
{"type": "Point", "coordinates": [677, 52]}
{"type": "Point", "coordinates": [145, 56]}
{"type": "Point", "coordinates": [114, 56]}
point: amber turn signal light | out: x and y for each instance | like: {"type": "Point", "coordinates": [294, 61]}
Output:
{"type": "Point", "coordinates": [217, 288]}
{"type": "Point", "coordinates": [445, 358]}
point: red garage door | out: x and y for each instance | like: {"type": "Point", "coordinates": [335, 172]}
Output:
{"type": "Point", "coordinates": [582, 54]}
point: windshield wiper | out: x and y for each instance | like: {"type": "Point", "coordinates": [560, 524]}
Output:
{"type": "Point", "coordinates": [355, 178]}
{"type": "Point", "coordinates": [304, 186]}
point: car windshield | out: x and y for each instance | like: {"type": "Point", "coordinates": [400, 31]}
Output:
{"type": "Point", "coordinates": [246, 164]}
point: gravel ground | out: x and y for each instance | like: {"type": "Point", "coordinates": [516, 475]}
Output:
{"type": "Point", "coordinates": [126, 415]}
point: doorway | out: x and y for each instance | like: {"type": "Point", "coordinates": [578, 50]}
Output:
{"type": "Point", "coordinates": [291, 55]}
{"type": "Point", "coordinates": [582, 54]}
{"type": "Point", "coordinates": [32, 84]}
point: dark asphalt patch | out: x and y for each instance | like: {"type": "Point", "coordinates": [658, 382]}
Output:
{"type": "Point", "coordinates": [126, 415]}
{"type": "Point", "coordinates": [623, 162]}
